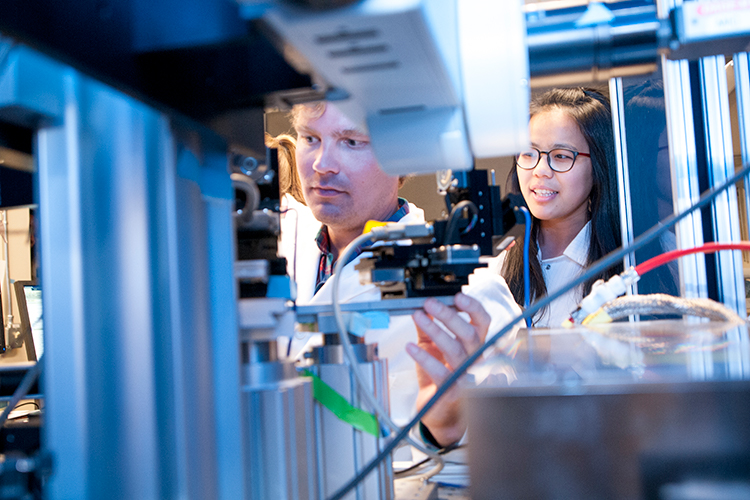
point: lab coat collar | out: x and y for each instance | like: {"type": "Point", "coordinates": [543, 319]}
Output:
{"type": "Point", "coordinates": [350, 289]}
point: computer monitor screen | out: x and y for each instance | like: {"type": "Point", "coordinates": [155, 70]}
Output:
{"type": "Point", "coordinates": [29, 297]}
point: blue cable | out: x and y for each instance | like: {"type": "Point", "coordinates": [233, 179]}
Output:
{"type": "Point", "coordinates": [526, 270]}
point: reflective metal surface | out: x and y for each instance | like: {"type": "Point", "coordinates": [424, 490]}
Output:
{"type": "Point", "coordinates": [143, 388]}
{"type": "Point", "coordinates": [742, 94]}
{"type": "Point", "coordinates": [619, 411]}
{"type": "Point", "coordinates": [342, 451]}
{"type": "Point", "coordinates": [280, 447]}
{"type": "Point", "coordinates": [725, 221]}
{"type": "Point", "coordinates": [684, 168]}
{"type": "Point", "coordinates": [142, 363]}
{"type": "Point", "coordinates": [623, 171]}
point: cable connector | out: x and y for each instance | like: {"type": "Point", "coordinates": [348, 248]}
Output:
{"type": "Point", "coordinates": [601, 293]}
{"type": "Point", "coordinates": [395, 231]}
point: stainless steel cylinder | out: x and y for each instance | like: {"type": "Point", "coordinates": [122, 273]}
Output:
{"type": "Point", "coordinates": [277, 406]}
{"type": "Point", "coordinates": [342, 449]}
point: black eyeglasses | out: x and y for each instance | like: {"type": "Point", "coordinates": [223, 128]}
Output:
{"type": "Point", "coordinates": [559, 160]}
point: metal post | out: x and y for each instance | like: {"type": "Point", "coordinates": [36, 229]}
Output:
{"type": "Point", "coordinates": [343, 450]}
{"type": "Point", "coordinates": [683, 165]}
{"type": "Point", "coordinates": [725, 211]}
{"type": "Point", "coordinates": [142, 356]}
{"type": "Point", "coordinates": [742, 93]}
{"type": "Point", "coordinates": [623, 172]}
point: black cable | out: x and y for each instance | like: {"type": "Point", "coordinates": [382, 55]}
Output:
{"type": "Point", "coordinates": [28, 403]}
{"type": "Point", "coordinates": [398, 473]}
{"type": "Point", "coordinates": [22, 390]}
{"type": "Point", "coordinates": [602, 264]}
{"type": "Point", "coordinates": [452, 226]}
{"type": "Point", "coordinates": [415, 466]}
{"type": "Point", "coordinates": [289, 346]}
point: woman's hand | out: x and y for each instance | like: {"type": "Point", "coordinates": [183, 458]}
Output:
{"type": "Point", "coordinates": [437, 353]}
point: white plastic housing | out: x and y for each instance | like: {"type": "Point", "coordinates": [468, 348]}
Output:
{"type": "Point", "coordinates": [422, 90]}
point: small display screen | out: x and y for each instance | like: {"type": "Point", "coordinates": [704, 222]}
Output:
{"type": "Point", "coordinates": [33, 295]}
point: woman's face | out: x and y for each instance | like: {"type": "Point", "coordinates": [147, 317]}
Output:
{"type": "Point", "coordinates": [557, 196]}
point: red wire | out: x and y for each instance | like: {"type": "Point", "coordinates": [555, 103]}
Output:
{"type": "Point", "coordinates": [657, 261]}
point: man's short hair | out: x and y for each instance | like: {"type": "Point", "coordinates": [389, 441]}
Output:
{"type": "Point", "coordinates": [315, 110]}
{"type": "Point", "coordinates": [312, 110]}
{"type": "Point", "coordinates": [289, 181]}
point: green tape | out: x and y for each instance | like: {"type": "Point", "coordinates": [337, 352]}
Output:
{"type": "Point", "coordinates": [339, 406]}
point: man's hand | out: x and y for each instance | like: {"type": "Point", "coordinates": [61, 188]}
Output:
{"type": "Point", "coordinates": [438, 353]}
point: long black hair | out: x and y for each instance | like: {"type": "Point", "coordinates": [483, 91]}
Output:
{"type": "Point", "coordinates": [591, 111]}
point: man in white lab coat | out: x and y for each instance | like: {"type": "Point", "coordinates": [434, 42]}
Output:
{"type": "Point", "coordinates": [343, 187]}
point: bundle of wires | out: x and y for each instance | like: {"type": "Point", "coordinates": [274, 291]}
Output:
{"type": "Point", "coordinates": [660, 303]}
{"type": "Point", "coordinates": [414, 469]}
{"type": "Point", "coordinates": [596, 307]}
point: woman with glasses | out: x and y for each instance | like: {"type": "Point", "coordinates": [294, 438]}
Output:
{"type": "Point", "coordinates": [568, 180]}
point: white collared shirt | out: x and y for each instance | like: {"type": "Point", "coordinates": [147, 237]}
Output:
{"type": "Point", "coordinates": [558, 272]}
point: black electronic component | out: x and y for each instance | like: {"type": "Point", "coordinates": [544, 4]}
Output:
{"type": "Point", "coordinates": [420, 270]}
{"type": "Point", "coordinates": [257, 223]}
{"type": "Point", "coordinates": [442, 265]}
{"type": "Point", "coordinates": [498, 222]}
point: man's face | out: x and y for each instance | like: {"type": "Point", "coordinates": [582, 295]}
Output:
{"type": "Point", "coordinates": [342, 183]}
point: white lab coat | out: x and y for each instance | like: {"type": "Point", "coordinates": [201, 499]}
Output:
{"type": "Point", "coordinates": [391, 342]}
{"type": "Point", "coordinates": [308, 256]}
{"type": "Point", "coordinates": [558, 272]}
{"type": "Point", "coordinates": [489, 288]}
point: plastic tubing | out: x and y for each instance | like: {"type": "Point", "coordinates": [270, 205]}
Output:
{"type": "Point", "coordinates": [657, 261]}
